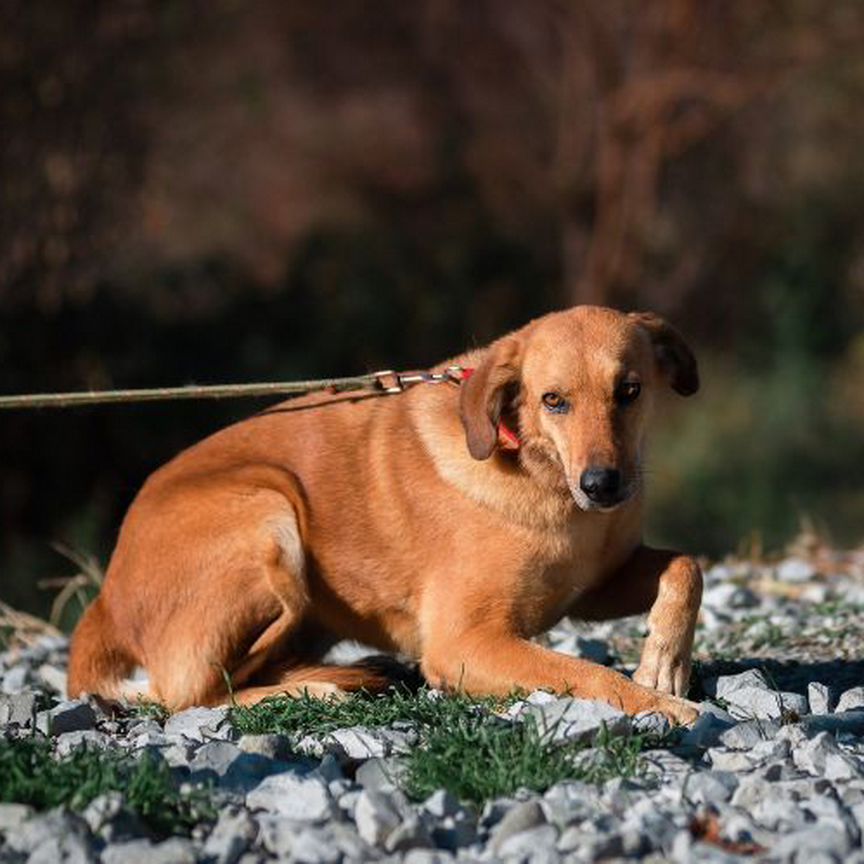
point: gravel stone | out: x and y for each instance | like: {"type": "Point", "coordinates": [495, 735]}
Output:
{"type": "Point", "coordinates": [569, 801]}
{"type": "Point", "coordinates": [199, 724]}
{"type": "Point", "coordinates": [850, 700]}
{"type": "Point", "coordinates": [731, 760]}
{"type": "Point", "coordinates": [801, 846]}
{"type": "Point", "coordinates": [358, 742]}
{"type": "Point", "coordinates": [651, 723]}
{"type": "Point", "coordinates": [744, 736]}
{"type": "Point", "coordinates": [722, 686]}
{"type": "Point", "coordinates": [65, 849]}
{"type": "Point", "coordinates": [174, 851]}
{"type": "Point", "coordinates": [347, 802]}
{"type": "Point", "coordinates": [330, 770]}
{"type": "Point", "coordinates": [847, 723]}
{"type": "Point", "coordinates": [519, 819]}
{"type": "Point", "coordinates": [705, 732]}
{"type": "Point", "coordinates": [729, 596]}
{"type": "Point", "coordinates": [314, 846]}
{"type": "Point", "coordinates": [441, 803]}
{"type": "Point", "coordinates": [538, 841]}
{"type": "Point", "coordinates": [603, 847]}
{"type": "Point", "coordinates": [810, 756]}
{"type": "Point", "coordinates": [227, 765]}
{"type": "Point", "coordinates": [427, 856]}
{"type": "Point", "coordinates": [15, 679]}
{"type": "Point", "coordinates": [576, 720]}
{"type": "Point", "coordinates": [412, 833]}
{"type": "Point", "coordinates": [18, 709]}
{"type": "Point", "coordinates": [154, 739]}
{"type": "Point", "coordinates": [296, 797]}
{"type": "Point", "coordinates": [213, 759]}
{"type": "Point", "coordinates": [42, 827]}
{"type": "Point", "coordinates": [381, 775]}
{"type": "Point", "coordinates": [93, 739]}
{"type": "Point", "coordinates": [796, 571]}
{"type": "Point", "coordinates": [749, 702]}
{"type": "Point", "coordinates": [231, 836]}
{"type": "Point", "coordinates": [52, 677]}
{"type": "Point", "coordinates": [711, 787]}
{"type": "Point", "coordinates": [108, 818]}
{"type": "Point", "coordinates": [277, 834]}
{"type": "Point", "coordinates": [12, 816]}
{"type": "Point", "coordinates": [270, 746]}
{"type": "Point", "coordinates": [376, 817]}
{"type": "Point", "coordinates": [455, 831]}
{"type": "Point", "coordinates": [71, 716]}
{"type": "Point", "coordinates": [772, 805]}
{"type": "Point", "coordinates": [820, 698]}
{"type": "Point", "coordinates": [839, 766]}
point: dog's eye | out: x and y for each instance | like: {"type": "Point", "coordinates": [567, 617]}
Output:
{"type": "Point", "coordinates": [554, 402]}
{"type": "Point", "coordinates": [628, 392]}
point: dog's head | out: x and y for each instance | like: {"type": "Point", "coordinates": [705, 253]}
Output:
{"type": "Point", "coordinates": [578, 385]}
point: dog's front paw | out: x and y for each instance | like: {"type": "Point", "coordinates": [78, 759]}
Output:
{"type": "Point", "coordinates": [664, 667]}
{"type": "Point", "coordinates": [679, 711]}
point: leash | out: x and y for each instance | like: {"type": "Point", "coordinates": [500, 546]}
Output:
{"type": "Point", "coordinates": [383, 382]}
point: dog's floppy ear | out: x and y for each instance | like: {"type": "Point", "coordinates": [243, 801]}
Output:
{"type": "Point", "coordinates": [674, 356]}
{"type": "Point", "coordinates": [482, 398]}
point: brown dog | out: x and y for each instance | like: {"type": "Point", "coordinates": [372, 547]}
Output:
{"type": "Point", "coordinates": [414, 523]}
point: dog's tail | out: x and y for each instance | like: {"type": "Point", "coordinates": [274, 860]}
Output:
{"type": "Point", "coordinates": [98, 663]}
{"type": "Point", "coordinates": [371, 674]}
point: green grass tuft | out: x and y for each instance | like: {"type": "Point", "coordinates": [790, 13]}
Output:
{"type": "Point", "coordinates": [31, 774]}
{"type": "Point", "coordinates": [464, 747]}
{"type": "Point", "coordinates": [149, 710]}
{"type": "Point", "coordinates": [483, 757]}
{"type": "Point", "coordinates": [306, 715]}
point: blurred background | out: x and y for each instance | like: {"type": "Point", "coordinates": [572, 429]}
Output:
{"type": "Point", "coordinates": [235, 191]}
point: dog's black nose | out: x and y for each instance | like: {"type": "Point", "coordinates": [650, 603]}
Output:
{"type": "Point", "coordinates": [601, 485]}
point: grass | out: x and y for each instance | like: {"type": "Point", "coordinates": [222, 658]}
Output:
{"type": "Point", "coordinates": [463, 746]}
{"type": "Point", "coordinates": [483, 758]}
{"type": "Point", "coordinates": [306, 715]}
{"type": "Point", "coordinates": [31, 774]}
{"type": "Point", "coordinates": [149, 710]}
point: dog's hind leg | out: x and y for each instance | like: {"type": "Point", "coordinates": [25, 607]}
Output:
{"type": "Point", "coordinates": [252, 599]}
{"type": "Point", "coordinates": [99, 662]}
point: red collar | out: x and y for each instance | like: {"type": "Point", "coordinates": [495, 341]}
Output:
{"type": "Point", "coordinates": [507, 438]}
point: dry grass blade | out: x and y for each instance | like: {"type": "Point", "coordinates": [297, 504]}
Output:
{"type": "Point", "coordinates": [81, 586]}
{"type": "Point", "coordinates": [20, 630]}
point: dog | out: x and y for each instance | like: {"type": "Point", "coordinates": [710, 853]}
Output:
{"type": "Point", "coordinates": [448, 523]}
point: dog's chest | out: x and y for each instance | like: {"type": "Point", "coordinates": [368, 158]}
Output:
{"type": "Point", "coordinates": [546, 595]}
{"type": "Point", "coordinates": [557, 575]}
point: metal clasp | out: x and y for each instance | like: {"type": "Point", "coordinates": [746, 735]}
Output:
{"type": "Point", "coordinates": [388, 381]}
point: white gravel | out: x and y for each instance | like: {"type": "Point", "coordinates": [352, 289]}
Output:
{"type": "Point", "coordinates": [772, 771]}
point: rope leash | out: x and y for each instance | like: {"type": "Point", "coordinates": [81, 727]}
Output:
{"type": "Point", "coordinates": [382, 382]}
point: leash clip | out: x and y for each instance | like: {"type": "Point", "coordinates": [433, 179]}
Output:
{"type": "Point", "coordinates": [388, 381]}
